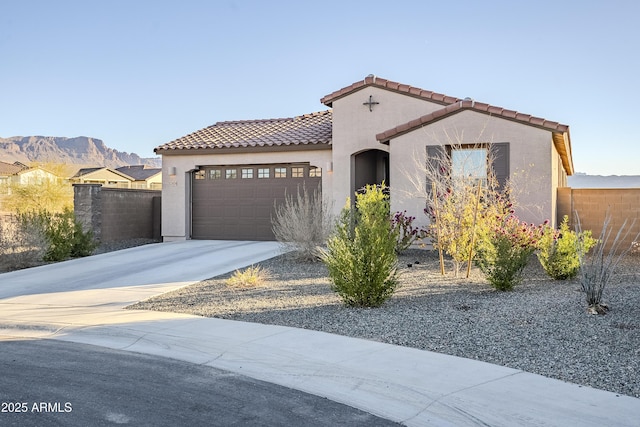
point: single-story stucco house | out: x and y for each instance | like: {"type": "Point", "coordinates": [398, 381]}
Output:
{"type": "Point", "coordinates": [221, 181]}
{"type": "Point", "coordinates": [102, 175]}
{"type": "Point", "coordinates": [143, 177]}
{"type": "Point", "coordinates": [15, 174]}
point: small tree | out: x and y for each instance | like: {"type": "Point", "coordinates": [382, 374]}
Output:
{"type": "Point", "coordinates": [303, 223]}
{"type": "Point", "coordinates": [457, 202]}
{"type": "Point", "coordinates": [53, 195]}
{"type": "Point", "coordinates": [361, 256]}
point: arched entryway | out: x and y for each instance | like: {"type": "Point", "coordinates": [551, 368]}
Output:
{"type": "Point", "coordinates": [369, 167]}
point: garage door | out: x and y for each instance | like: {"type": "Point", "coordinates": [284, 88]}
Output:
{"type": "Point", "coordinates": [237, 202]}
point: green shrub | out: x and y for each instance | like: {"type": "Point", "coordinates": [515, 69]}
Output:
{"type": "Point", "coordinates": [248, 278]}
{"type": "Point", "coordinates": [505, 251]}
{"type": "Point", "coordinates": [64, 234]}
{"type": "Point", "coordinates": [558, 250]}
{"type": "Point", "coordinates": [361, 256]}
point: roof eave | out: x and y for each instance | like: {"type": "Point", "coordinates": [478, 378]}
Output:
{"type": "Point", "coordinates": [250, 149]}
{"type": "Point", "coordinates": [562, 142]}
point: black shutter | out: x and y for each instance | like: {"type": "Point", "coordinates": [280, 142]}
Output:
{"type": "Point", "coordinates": [500, 166]}
{"type": "Point", "coordinates": [435, 162]}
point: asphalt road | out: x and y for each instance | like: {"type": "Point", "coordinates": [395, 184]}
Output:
{"type": "Point", "coordinates": [54, 383]}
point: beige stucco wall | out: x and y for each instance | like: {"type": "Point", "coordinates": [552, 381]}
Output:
{"type": "Point", "coordinates": [531, 152]}
{"type": "Point", "coordinates": [176, 192]}
{"type": "Point", "coordinates": [355, 129]}
{"type": "Point", "coordinates": [34, 176]}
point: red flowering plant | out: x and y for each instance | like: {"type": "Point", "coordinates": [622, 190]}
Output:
{"type": "Point", "coordinates": [402, 226]}
{"type": "Point", "coordinates": [505, 248]}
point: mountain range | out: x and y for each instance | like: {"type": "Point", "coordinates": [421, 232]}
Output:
{"type": "Point", "coordinates": [582, 180]}
{"type": "Point", "coordinates": [81, 150]}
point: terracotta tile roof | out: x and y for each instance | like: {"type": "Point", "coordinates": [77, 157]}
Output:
{"type": "Point", "coordinates": [474, 106]}
{"type": "Point", "coordinates": [8, 169]}
{"type": "Point", "coordinates": [560, 132]}
{"type": "Point", "coordinates": [309, 129]}
{"type": "Point", "coordinates": [372, 80]}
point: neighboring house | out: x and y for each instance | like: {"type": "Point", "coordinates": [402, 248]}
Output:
{"type": "Point", "coordinates": [144, 177]}
{"type": "Point", "coordinates": [12, 174]}
{"type": "Point", "coordinates": [102, 175]}
{"type": "Point", "coordinates": [221, 182]}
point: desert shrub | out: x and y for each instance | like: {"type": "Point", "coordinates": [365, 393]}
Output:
{"type": "Point", "coordinates": [402, 226]}
{"type": "Point", "coordinates": [64, 234]}
{"type": "Point", "coordinates": [303, 223]}
{"type": "Point", "coordinates": [22, 244]}
{"type": "Point", "coordinates": [250, 277]}
{"type": "Point", "coordinates": [504, 251]}
{"type": "Point", "coordinates": [361, 255]}
{"type": "Point", "coordinates": [597, 268]}
{"type": "Point", "coordinates": [558, 250]}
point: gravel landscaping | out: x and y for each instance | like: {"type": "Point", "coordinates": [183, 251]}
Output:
{"type": "Point", "coordinates": [541, 327]}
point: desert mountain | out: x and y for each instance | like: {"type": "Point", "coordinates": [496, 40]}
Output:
{"type": "Point", "coordinates": [81, 150]}
{"type": "Point", "coordinates": [582, 180]}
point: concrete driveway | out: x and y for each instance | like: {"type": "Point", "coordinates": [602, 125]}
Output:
{"type": "Point", "coordinates": [81, 301]}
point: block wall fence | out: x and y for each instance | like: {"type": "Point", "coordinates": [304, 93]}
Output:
{"type": "Point", "coordinates": [118, 213]}
{"type": "Point", "coordinates": [592, 205]}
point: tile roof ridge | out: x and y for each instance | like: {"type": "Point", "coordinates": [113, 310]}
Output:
{"type": "Point", "coordinates": [373, 80]}
{"type": "Point", "coordinates": [274, 120]}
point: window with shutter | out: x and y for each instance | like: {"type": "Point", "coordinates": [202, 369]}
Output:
{"type": "Point", "coordinates": [469, 161]}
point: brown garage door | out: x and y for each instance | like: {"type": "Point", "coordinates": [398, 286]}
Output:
{"type": "Point", "coordinates": [236, 202]}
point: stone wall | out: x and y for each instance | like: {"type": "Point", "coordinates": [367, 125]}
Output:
{"type": "Point", "coordinates": [592, 204]}
{"type": "Point", "coordinates": [116, 213]}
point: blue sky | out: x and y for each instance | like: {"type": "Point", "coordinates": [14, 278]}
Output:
{"type": "Point", "coordinates": [137, 74]}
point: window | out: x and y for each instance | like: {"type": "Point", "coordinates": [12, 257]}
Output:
{"type": "Point", "coordinates": [247, 173]}
{"type": "Point", "coordinates": [231, 174]}
{"type": "Point", "coordinates": [469, 163]}
{"type": "Point", "coordinates": [280, 172]}
{"type": "Point", "coordinates": [297, 172]}
{"type": "Point", "coordinates": [474, 162]}
{"type": "Point", "coordinates": [263, 172]}
{"type": "Point", "coordinates": [215, 174]}
{"type": "Point", "coordinates": [199, 175]}
{"type": "Point", "coordinates": [315, 172]}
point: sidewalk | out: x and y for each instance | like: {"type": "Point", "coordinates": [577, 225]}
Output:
{"type": "Point", "coordinates": [82, 300]}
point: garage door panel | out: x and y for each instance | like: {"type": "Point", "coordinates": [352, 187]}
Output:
{"type": "Point", "coordinates": [240, 209]}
